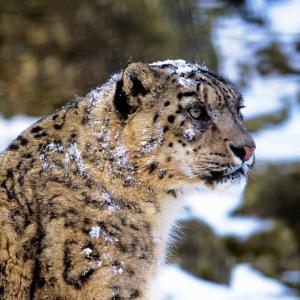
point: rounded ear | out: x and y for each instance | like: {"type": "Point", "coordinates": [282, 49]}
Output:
{"type": "Point", "coordinates": [137, 79]}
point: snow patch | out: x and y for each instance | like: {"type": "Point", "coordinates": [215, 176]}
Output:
{"type": "Point", "coordinates": [87, 251]}
{"type": "Point", "coordinates": [181, 68]}
{"type": "Point", "coordinates": [117, 269]}
{"type": "Point", "coordinates": [246, 284]}
{"type": "Point", "coordinates": [215, 208]}
{"type": "Point", "coordinates": [95, 232]}
{"type": "Point", "coordinates": [284, 16]}
{"type": "Point", "coordinates": [11, 128]}
{"type": "Point", "coordinates": [120, 155]}
{"type": "Point", "coordinates": [49, 149]}
{"type": "Point", "coordinates": [189, 134]}
{"type": "Point", "coordinates": [280, 143]}
{"type": "Point", "coordinates": [74, 154]}
{"type": "Point", "coordinates": [109, 202]}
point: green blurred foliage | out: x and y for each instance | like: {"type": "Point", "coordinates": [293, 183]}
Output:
{"type": "Point", "coordinates": [272, 58]}
{"type": "Point", "coordinates": [261, 122]}
{"type": "Point", "coordinates": [200, 252]}
{"type": "Point", "coordinates": [274, 192]}
{"type": "Point", "coordinates": [52, 50]}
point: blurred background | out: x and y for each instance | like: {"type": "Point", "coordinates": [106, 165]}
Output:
{"type": "Point", "coordinates": [234, 245]}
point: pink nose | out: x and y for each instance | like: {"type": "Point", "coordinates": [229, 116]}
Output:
{"type": "Point", "coordinates": [248, 152]}
{"type": "Point", "coordinates": [244, 153]}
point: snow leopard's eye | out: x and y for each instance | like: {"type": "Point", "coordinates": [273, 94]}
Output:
{"type": "Point", "coordinates": [198, 113]}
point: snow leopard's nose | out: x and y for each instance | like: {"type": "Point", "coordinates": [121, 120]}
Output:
{"type": "Point", "coordinates": [243, 152]}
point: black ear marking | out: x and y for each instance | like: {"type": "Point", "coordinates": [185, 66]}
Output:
{"type": "Point", "coordinates": [137, 80]}
{"type": "Point", "coordinates": [121, 102]}
{"type": "Point", "coordinates": [137, 87]}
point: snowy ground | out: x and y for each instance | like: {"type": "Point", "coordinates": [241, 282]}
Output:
{"type": "Point", "coordinates": [11, 128]}
{"type": "Point", "coordinates": [277, 144]}
{"type": "Point", "coordinates": [246, 284]}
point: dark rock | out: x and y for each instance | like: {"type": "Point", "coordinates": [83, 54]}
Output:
{"type": "Point", "coordinates": [202, 253]}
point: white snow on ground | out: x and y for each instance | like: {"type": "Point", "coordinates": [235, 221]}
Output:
{"type": "Point", "coordinates": [265, 96]}
{"type": "Point", "coordinates": [280, 143]}
{"type": "Point", "coordinates": [246, 284]}
{"type": "Point", "coordinates": [236, 41]}
{"type": "Point", "coordinates": [215, 208]}
{"type": "Point", "coordinates": [11, 128]}
{"type": "Point", "coordinates": [284, 16]}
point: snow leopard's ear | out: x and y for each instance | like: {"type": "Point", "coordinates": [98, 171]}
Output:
{"type": "Point", "coordinates": [136, 83]}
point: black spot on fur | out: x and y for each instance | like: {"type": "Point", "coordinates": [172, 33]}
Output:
{"type": "Point", "coordinates": [36, 129]}
{"type": "Point", "coordinates": [27, 155]}
{"type": "Point", "coordinates": [8, 185]}
{"type": "Point", "coordinates": [134, 294]}
{"type": "Point", "coordinates": [13, 147]}
{"type": "Point", "coordinates": [54, 117]}
{"type": "Point", "coordinates": [186, 94]}
{"type": "Point", "coordinates": [132, 226]}
{"type": "Point", "coordinates": [2, 292]}
{"type": "Point", "coordinates": [130, 272]}
{"type": "Point", "coordinates": [170, 145]}
{"type": "Point", "coordinates": [87, 221]}
{"type": "Point", "coordinates": [182, 123]}
{"type": "Point", "coordinates": [38, 281]}
{"type": "Point", "coordinates": [57, 126]}
{"type": "Point", "coordinates": [179, 110]}
{"type": "Point", "coordinates": [122, 247]}
{"type": "Point", "coordinates": [173, 193]}
{"type": "Point", "coordinates": [165, 129]}
{"type": "Point", "coordinates": [152, 167]}
{"type": "Point", "coordinates": [155, 118]}
{"type": "Point", "coordinates": [171, 118]}
{"type": "Point", "coordinates": [2, 269]}
{"type": "Point", "coordinates": [23, 141]}
{"type": "Point", "coordinates": [39, 135]}
{"type": "Point", "coordinates": [167, 103]}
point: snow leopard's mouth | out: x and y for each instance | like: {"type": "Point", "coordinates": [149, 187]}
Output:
{"type": "Point", "coordinates": [216, 177]}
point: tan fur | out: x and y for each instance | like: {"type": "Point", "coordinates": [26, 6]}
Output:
{"type": "Point", "coordinates": [84, 192]}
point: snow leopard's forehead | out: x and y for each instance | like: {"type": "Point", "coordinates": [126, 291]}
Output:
{"type": "Point", "coordinates": [192, 77]}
